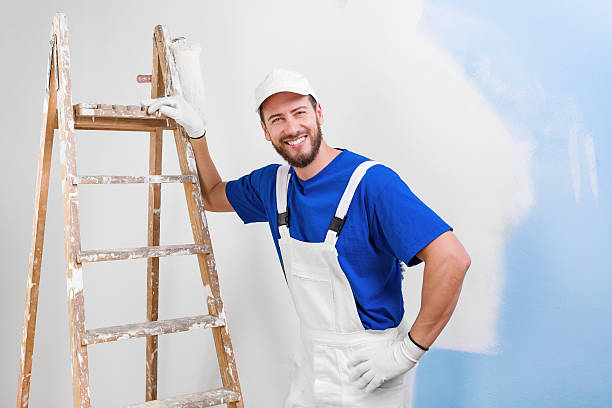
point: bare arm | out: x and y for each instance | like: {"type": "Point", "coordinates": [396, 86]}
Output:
{"type": "Point", "coordinates": [446, 263]}
{"type": "Point", "coordinates": [213, 188]}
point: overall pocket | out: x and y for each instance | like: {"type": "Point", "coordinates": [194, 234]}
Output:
{"type": "Point", "coordinates": [327, 384]}
{"type": "Point", "coordinates": [313, 299]}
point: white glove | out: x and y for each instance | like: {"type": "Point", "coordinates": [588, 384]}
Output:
{"type": "Point", "coordinates": [370, 367]}
{"type": "Point", "coordinates": [177, 108]}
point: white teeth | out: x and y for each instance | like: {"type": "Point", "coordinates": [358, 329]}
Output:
{"type": "Point", "coordinates": [298, 141]}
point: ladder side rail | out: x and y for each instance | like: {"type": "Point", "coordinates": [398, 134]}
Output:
{"type": "Point", "coordinates": [74, 272]}
{"type": "Point", "coordinates": [38, 231]}
{"type": "Point", "coordinates": [172, 86]}
{"type": "Point", "coordinates": [153, 233]}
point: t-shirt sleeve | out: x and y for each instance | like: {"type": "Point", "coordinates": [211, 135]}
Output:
{"type": "Point", "coordinates": [249, 195]}
{"type": "Point", "coordinates": [402, 223]}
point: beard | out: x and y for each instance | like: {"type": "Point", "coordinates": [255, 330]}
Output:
{"type": "Point", "coordinates": [301, 159]}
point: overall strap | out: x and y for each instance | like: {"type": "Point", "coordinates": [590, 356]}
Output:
{"type": "Point", "coordinates": [340, 217]}
{"type": "Point", "coordinates": [282, 184]}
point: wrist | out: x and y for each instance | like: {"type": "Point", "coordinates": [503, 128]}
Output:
{"type": "Point", "coordinates": [410, 350]}
{"type": "Point", "coordinates": [195, 132]}
{"type": "Point", "coordinates": [417, 344]}
{"type": "Point", "coordinates": [199, 137]}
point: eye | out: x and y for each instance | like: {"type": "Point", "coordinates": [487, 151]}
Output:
{"type": "Point", "coordinates": [301, 112]}
{"type": "Point", "coordinates": [275, 120]}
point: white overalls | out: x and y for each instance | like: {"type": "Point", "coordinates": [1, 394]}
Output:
{"type": "Point", "coordinates": [330, 326]}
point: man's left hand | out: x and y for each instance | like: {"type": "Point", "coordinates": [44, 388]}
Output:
{"type": "Point", "coordinates": [370, 367]}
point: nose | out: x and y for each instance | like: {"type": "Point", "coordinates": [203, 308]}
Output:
{"type": "Point", "coordinates": [292, 126]}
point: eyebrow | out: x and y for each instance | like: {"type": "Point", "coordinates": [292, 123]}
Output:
{"type": "Point", "coordinates": [279, 114]}
{"type": "Point", "coordinates": [273, 116]}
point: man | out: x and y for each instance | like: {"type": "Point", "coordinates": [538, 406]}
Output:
{"type": "Point", "coordinates": [341, 224]}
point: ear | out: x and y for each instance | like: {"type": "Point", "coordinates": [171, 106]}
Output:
{"type": "Point", "coordinates": [265, 130]}
{"type": "Point", "coordinates": [319, 113]}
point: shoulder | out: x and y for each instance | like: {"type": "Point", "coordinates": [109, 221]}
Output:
{"type": "Point", "coordinates": [380, 177]}
{"type": "Point", "coordinates": [377, 171]}
{"type": "Point", "coordinates": [267, 171]}
{"type": "Point", "coordinates": [265, 174]}
{"type": "Point", "coordinates": [257, 181]}
{"type": "Point", "coordinates": [352, 159]}
{"type": "Point", "coordinates": [377, 177]}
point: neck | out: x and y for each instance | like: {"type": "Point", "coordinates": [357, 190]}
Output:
{"type": "Point", "coordinates": [323, 158]}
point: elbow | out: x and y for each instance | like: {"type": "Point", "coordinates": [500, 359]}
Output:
{"type": "Point", "coordinates": [461, 262]}
{"type": "Point", "coordinates": [207, 204]}
{"type": "Point", "coordinates": [209, 199]}
{"type": "Point", "coordinates": [466, 261]}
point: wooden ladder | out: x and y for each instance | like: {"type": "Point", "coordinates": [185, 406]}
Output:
{"type": "Point", "coordinates": [59, 113]}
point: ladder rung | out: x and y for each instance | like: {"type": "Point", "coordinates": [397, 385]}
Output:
{"type": "Point", "coordinates": [118, 117]}
{"type": "Point", "coordinates": [133, 179]}
{"type": "Point", "coordinates": [128, 331]}
{"type": "Point", "coordinates": [210, 398]}
{"type": "Point", "coordinates": [114, 111]}
{"type": "Point", "coordinates": [142, 252]}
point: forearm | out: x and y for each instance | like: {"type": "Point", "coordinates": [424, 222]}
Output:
{"type": "Point", "coordinates": [207, 172]}
{"type": "Point", "coordinates": [442, 281]}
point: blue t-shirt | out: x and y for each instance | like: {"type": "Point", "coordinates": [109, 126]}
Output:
{"type": "Point", "coordinates": [385, 223]}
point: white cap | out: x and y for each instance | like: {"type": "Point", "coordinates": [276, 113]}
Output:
{"type": "Point", "coordinates": [282, 80]}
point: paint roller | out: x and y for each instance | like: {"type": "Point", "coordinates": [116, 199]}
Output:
{"type": "Point", "coordinates": [187, 59]}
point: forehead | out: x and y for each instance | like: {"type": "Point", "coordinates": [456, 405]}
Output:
{"type": "Point", "coordinates": [283, 101]}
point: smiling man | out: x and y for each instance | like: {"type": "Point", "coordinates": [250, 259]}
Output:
{"type": "Point", "coordinates": [301, 144]}
{"type": "Point", "coordinates": [342, 225]}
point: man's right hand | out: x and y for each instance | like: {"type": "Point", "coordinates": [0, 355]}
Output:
{"type": "Point", "coordinates": [177, 108]}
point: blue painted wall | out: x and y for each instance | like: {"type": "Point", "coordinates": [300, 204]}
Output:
{"type": "Point", "coordinates": [555, 333]}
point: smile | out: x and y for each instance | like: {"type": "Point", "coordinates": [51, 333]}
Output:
{"type": "Point", "coordinates": [296, 142]}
